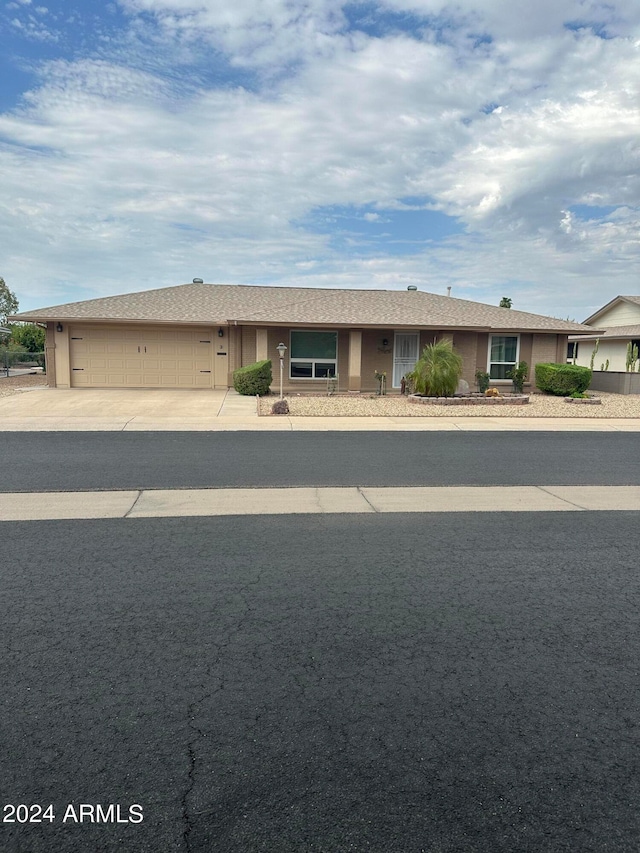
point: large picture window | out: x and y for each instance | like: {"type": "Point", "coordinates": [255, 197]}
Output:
{"type": "Point", "coordinates": [313, 355]}
{"type": "Point", "coordinates": [503, 355]}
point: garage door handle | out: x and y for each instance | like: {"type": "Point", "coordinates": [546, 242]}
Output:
{"type": "Point", "coordinates": [205, 371]}
{"type": "Point", "coordinates": [78, 368]}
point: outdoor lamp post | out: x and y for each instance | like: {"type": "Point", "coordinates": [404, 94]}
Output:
{"type": "Point", "coordinates": [281, 351]}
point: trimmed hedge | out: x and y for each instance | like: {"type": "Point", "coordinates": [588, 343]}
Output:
{"type": "Point", "coordinates": [562, 379]}
{"type": "Point", "coordinates": [253, 379]}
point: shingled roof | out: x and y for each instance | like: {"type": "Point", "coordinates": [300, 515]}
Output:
{"type": "Point", "coordinates": [219, 304]}
{"type": "Point", "coordinates": [613, 333]}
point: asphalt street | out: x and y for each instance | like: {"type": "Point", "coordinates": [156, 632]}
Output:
{"type": "Point", "coordinates": [448, 683]}
{"type": "Point", "coordinates": [324, 684]}
{"type": "Point", "coordinates": [59, 461]}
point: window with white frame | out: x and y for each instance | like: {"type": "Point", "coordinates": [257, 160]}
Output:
{"type": "Point", "coordinates": [503, 355]}
{"type": "Point", "coordinates": [313, 355]}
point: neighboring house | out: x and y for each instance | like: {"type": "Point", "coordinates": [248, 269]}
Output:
{"type": "Point", "coordinates": [195, 336]}
{"type": "Point", "coordinates": [615, 326]}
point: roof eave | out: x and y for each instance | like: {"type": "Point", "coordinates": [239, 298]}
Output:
{"type": "Point", "coordinates": [606, 307]}
{"type": "Point", "coordinates": [62, 318]}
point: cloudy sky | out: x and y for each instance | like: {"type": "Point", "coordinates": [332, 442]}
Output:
{"type": "Point", "coordinates": [488, 145]}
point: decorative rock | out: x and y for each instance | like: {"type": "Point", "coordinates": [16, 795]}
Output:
{"type": "Point", "coordinates": [463, 388]}
{"type": "Point", "coordinates": [588, 401]}
{"type": "Point", "coordinates": [280, 407]}
{"type": "Point", "coordinates": [514, 400]}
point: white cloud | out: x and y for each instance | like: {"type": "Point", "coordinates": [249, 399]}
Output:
{"type": "Point", "coordinates": [116, 178]}
{"type": "Point", "coordinates": [32, 27]}
{"type": "Point", "coordinates": [525, 21]}
{"type": "Point", "coordinates": [254, 32]}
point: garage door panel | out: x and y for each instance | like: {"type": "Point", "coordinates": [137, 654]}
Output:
{"type": "Point", "coordinates": [140, 357]}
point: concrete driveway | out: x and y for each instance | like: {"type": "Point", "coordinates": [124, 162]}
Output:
{"type": "Point", "coordinates": [116, 409]}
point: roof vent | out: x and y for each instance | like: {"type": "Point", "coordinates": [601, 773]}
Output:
{"type": "Point", "coordinates": [198, 281]}
{"type": "Point", "coordinates": [412, 287]}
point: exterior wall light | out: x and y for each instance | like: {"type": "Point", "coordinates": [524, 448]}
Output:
{"type": "Point", "coordinates": [221, 332]}
{"type": "Point", "coordinates": [59, 327]}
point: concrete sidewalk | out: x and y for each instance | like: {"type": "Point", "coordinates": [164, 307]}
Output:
{"type": "Point", "coordinates": [174, 503]}
{"type": "Point", "coordinates": [71, 410]}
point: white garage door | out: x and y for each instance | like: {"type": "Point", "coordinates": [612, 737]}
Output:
{"type": "Point", "coordinates": [130, 357]}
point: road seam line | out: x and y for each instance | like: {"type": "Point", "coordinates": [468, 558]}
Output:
{"type": "Point", "coordinates": [133, 505]}
{"type": "Point", "coordinates": [360, 492]}
{"type": "Point", "coordinates": [564, 500]}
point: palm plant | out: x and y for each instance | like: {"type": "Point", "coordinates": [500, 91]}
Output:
{"type": "Point", "coordinates": [437, 371]}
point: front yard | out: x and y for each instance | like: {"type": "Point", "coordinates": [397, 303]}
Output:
{"type": "Point", "coordinates": [366, 405]}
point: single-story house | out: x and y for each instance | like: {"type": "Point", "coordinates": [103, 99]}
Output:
{"type": "Point", "coordinates": [195, 335]}
{"type": "Point", "coordinates": [614, 326]}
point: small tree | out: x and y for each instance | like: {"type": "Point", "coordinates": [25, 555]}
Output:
{"type": "Point", "coordinates": [437, 371]}
{"type": "Point", "coordinates": [8, 302]}
{"type": "Point", "coordinates": [505, 302]}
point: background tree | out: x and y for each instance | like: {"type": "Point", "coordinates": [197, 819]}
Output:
{"type": "Point", "coordinates": [505, 302]}
{"type": "Point", "coordinates": [28, 336]}
{"type": "Point", "coordinates": [8, 303]}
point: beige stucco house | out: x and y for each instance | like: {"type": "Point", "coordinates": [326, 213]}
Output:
{"type": "Point", "coordinates": [195, 335]}
{"type": "Point", "coordinates": [614, 326]}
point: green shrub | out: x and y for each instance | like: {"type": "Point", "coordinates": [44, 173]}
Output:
{"type": "Point", "coordinates": [437, 371]}
{"type": "Point", "coordinates": [562, 379]}
{"type": "Point", "coordinates": [253, 379]}
{"type": "Point", "coordinates": [483, 380]}
{"type": "Point", "coordinates": [518, 376]}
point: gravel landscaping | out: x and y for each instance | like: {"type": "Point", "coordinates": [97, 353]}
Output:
{"type": "Point", "coordinates": [15, 384]}
{"type": "Point", "coordinates": [367, 406]}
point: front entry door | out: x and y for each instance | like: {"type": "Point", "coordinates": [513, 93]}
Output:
{"type": "Point", "coordinates": [221, 366]}
{"type": "Point", "coordinates": [405, 355]}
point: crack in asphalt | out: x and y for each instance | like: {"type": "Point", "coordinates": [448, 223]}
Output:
{"type": "Point", "coordinates": [192, 709]}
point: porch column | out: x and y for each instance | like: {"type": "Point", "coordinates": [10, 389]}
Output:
{"type": "Point", "coordinates": [234, 357]}
{"type": "Point", "coordinates": [355, 359]}
{"type": "Point", "coordinates": [561, 351]}
{"type": "Point", "coordinates": [50, 355]}
{"type": "Point", "coordinates": [261, 345]}
{"type": "Point", "coordinates": [63, 363]}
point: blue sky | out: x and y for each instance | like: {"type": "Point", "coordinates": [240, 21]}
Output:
{"type": "Point", "coordinates": [492, 146]}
